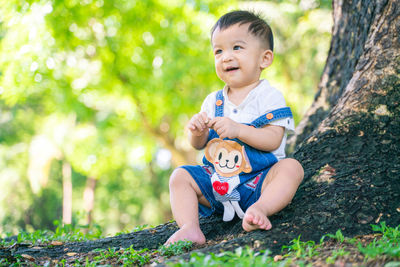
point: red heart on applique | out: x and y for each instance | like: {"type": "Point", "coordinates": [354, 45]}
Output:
{"type": "Point", "coordinates": [221, 188]}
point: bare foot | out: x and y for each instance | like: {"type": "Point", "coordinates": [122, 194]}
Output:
{"type": "Point", "coordinates": [190, 233]}
{"type": "Point", "coordinates": [255, 218]}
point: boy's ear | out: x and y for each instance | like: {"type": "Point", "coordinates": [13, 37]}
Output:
{"type": "Point", "coordinates": [267, 58]}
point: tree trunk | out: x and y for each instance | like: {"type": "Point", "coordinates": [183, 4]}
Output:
{"type": "Point", "coordinates": [353, 25]}
{"type": "Point", "coordinates": [351, 157]}
{"type": "Point", "coordinates": [349, 142]}
{"type": "Point", "coordinates": [88, 198]}
{"type": "Point", "coordinates": [67, 193]}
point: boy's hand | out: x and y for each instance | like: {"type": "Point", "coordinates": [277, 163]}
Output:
{"type": "Point", "coordinates": [198, 124]}
{"type": "Point", "coordinates": [225, 127]}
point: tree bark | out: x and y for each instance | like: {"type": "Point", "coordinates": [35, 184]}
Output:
{"type": "Point", "coordinates": [349, 144]}
{"type": "Point", "coordinates": [353, 22]}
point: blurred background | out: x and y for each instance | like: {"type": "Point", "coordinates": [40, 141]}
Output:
{"type": "Point", "coordinates": [95, 95]}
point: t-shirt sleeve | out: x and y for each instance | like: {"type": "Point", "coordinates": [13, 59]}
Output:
{"type": "Point", "coordinates": [208, 105]}
{"type": "Point", "coordinates": [275, 101]}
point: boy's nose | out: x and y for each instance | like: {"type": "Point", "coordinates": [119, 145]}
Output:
{"type": "Point", "coordinates": [227, 57]}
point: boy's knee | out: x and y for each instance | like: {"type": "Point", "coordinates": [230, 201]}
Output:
{"type": "Point", "coordinates": [175, 177]}
{"type": "Point", "coordinates": [181, 178]}
{"type": "Point", "coordinates": [295, 169]}
{"type": "Point", "coordinates": [289, 168]}
{"type": "Point", "coordinates": [178, 177]}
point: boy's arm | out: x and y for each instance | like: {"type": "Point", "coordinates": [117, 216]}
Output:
{"type": "Point", "coordinates": [268, 138]}
{"type": "Point", "coordinates": [198, 130]}
{"type": "Point", "coordinates": [198, 142]}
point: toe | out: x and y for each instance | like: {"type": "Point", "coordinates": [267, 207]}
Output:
{"type": "Point", "coordinates": [257, 220]}
{"type": "Point", "coordinates": [268, 225]}
{"type": "Point", "coordinates": [249, 217]}
{"type": "Point", "coordinates": [245, 226]}
{"type": "Point", "coordinates": [264, 225]}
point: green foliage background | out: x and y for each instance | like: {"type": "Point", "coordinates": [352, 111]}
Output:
{"type": "Point", "coordinates": [107, 87]}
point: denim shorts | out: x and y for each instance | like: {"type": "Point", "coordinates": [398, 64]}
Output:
{"type": "Point", "coordinates": [249, 190]}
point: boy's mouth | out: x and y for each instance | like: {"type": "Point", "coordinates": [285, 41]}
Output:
{"type": "Point", "coordinates": [231, 69]}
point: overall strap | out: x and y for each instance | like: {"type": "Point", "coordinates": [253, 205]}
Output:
{"type": "Point", "coordinates": [271, 116]}
{"type": "Point", "coordinates": [219, 104]}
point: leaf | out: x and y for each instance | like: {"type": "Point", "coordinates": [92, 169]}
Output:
{"type": "Point", "coordinates": [56, 243]}
{"type": "Point", "coordinates": [28, 257]}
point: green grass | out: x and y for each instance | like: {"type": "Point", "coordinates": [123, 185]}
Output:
{"type": "Point", "coordinates": [382, 248]}
{"type": "Point", "coordinates": [136, 229]}
{"type": "Point", "coordinates": [301, 249]}
{"type": "Point", "coordinates": [337, 254]}
{"type": "Point", "coordinates": [125, 257]}
{"type": "Point", "coordinates": [174, 249]}
{"type": "Point", "coordinates": [388, 245]}
{"type": "Point", "coordinates": [62, 233]}
{"type": "Point", "coordinates": [241, 257]}
{"type": "Point", "coordinates": [130, 256]}
{"type": "Point", "coordinates": [303, 253]}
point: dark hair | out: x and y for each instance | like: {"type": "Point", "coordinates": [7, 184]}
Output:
{"type": "Point", "coordinates": [258, 26]}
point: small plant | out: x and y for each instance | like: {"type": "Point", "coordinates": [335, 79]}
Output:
{"type": "Point", "coordinates": [136, 229]}
{"type": "Point", "coordinates": [176, 248]}
{"type": "Point", "coordinates": [105, 254]}
{"type": "Point", "coordinates": [127, 257]}
{"type": "Point", "coordinates": [69, 232]}
{"type": "Point", "coordinates": [132, 257]}
{"type": "Point", "coordinates": [240, 257]}
{"type": "Point", "coordinates": [63, 233]}
{"type": "Point", "coordinates": [62, 262]}
{"type": "Point", "coordinates": [141, 227]}
{"type": "Point", "coordinates": [337, 236]}
{"type": "Point", "coordinates": [4, 262]}
{"type": "Point", "coordinates": [302, 249]}
{"type": "Point", "coordinates": [336, 254]}
{"type": "Point", "coordinates": [388, 244]}
{"type": "Point", "coordinates": [88, 263]}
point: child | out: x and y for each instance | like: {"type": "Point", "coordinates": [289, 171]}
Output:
{"type": "Point", "coordinates": [250, 111]}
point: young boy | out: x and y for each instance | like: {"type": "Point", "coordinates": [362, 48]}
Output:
{"type": "Point", "coordinates": [249, 110]}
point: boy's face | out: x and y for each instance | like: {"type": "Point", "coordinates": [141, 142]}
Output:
{"type": "Point", "coordinates": [239, 56]}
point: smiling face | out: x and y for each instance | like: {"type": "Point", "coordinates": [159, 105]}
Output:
{"type": "Point", "coordinates": [239, 56]}
{"type": "Point", "coordinates": [228, 157]}
{"type": "Point", "coordinates": [227, 161]}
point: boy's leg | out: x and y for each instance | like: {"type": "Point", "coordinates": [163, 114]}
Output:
{"type": "Point", "coordinates": [277, 191]}
{"type": "Point", "coordinates": [185, 196]}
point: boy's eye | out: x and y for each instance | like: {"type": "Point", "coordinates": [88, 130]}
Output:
{"type": "Point", "coordinates": [218, 51]}
{"type": "Point", "coordinates": [237, 47]}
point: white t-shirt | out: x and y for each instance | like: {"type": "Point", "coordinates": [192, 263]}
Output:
{"type": "Point", "coordinates": [262, 99]}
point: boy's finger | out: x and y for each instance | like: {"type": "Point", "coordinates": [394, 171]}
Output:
{"type": "Point", "coordinates": [199, 125]}
{"type": "Point", "coordinates": [204, 116]}
{"type": "Point", "coordinates": [212, 122]}
{"type": "Point", "coordinates": [202, 124]}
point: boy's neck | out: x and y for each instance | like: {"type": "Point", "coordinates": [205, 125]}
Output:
{"type": "Point", "coordinates": [237, 95]}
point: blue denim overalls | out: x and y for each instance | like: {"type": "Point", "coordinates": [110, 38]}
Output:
{"type": "Point", "coordinates": [250, 183]}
